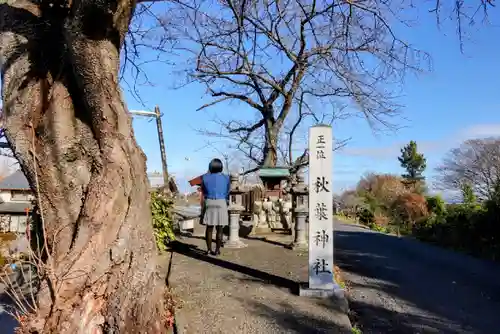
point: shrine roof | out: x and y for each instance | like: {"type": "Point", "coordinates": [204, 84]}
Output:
{"type": "Point", "coordinates": [274, 172]}
{"type": "Point", "coordinates": [196, 181]}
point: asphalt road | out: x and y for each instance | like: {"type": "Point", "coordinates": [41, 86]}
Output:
{"type": "Point", "coordinates": [399, 285]}
{"type": "Point", "coordinates": [7, 322]}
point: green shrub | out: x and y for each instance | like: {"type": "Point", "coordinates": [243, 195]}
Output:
{"type": "Point", "coordinates": [366, 217]}
{"type": "Point", "coordinates": [466, 227]}
{"type": "Point", "coordinates": [436, 205]}
{"type": "Point", "coordinates": [378, 228]}
{"type": "Point", "coordinates": [468, 195]}
{"type": "Point", "coordinates": [162, 212]}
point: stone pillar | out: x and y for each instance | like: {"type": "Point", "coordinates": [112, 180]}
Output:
{"type": "Point", "coordinates": [300, 193]}
{"type": "Point", "coordinates": [235, 209]}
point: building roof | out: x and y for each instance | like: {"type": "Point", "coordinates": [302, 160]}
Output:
{"type": "Point", "coordinates": [15, 181]}
{"type": "Point", "coordinates": [10, 207]}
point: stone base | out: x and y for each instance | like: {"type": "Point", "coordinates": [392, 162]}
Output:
{"type": "Point", "coordinates": [261, 230]}
{"type": "Point", "coordinates": [301, 247]}
{"type": "Point", "coordinates": [234, 244]}
{"type": "Point", "coordinates": [305, 291]}
{"type": "Point", "coordinates": [336, 296]}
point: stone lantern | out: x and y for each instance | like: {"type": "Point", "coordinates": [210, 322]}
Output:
{"type": "Point", "coordinates": [300, 193]}
{"type": "Point", "coordinates": [235, 209]}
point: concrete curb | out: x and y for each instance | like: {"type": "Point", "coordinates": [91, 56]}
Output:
{"type": "Point", "coordinates": [391, 234]}
{"type": "Point", "coordinates": [342, 296]}
{"type": "Point", "coordinates": [360, 225]}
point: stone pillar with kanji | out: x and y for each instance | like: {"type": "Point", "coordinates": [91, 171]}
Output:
{"type": "Point", "coordinates": [321, 266]}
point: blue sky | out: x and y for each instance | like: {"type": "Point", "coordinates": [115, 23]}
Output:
{"type": "Point", "coordinates": [458, 99]}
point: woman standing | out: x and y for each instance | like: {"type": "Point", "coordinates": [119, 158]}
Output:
{"type": "Point", "coordinates": [215, 188]}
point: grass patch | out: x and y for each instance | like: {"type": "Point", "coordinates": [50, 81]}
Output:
{"type": "Point", "coordinates": [337, 274]}
{"type": "Point", "coordinates": [338, 277]}
{"type": "Point", "coordinates": [356, 330]}
{"type": "Point", "coordinates": [371, 226]}
{"type": "Point", "coordinates": [378, 228]}
{"type": "Point", "coordinates": [345, 219]}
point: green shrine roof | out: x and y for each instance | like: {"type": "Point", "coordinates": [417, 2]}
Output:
{"type": "Point", "coordinates": [274, 172]}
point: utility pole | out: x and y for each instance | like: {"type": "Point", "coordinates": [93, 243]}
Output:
{"type": "Point", "coordinates": [162, 146]}
{"type": "Point", "coordinates": [156, 114]}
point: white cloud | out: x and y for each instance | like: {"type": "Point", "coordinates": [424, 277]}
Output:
{"type": "Point", "coordinates": [346, 171]}
{"type": "Point", "coordinates": [393, 150]}
{"type": "Point", "coordinates": [426, 146]}
{"type": "Point", "coordinates": [482, 130]}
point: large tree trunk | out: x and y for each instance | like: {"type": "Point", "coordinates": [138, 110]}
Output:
{"type": "Point", "coordinates": [69, 128]}
{"type": "Point", "coordinates": [271, 144]}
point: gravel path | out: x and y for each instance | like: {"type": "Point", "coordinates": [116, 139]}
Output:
{"type": "Point", "coordinates": [248, 290]}
{"type": "Point", "coordinates": [399, 285]}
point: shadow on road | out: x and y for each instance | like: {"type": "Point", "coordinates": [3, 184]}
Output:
{"type": "Point", "coordinates": [196, 253]}
{"type": "Point", "coordinates": [382, 320]}
{"type": "Point", "coordinates": [426, 288]}
{"type": "Point", "coordinates": [292, 321]}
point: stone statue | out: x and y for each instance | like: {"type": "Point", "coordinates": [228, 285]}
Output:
{"type": "Point", "coordinates": [286, 212]}
{"type": "Point", "coordinates": [268, 207]}
{"type": "Point", "coordinates": [272, 213]}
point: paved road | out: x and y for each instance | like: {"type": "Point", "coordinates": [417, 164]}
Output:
{"type": "Point", "coordinates": [399, 285]}
{"type": "Point", "coordinates": [187, 212]}
{"type": "Point", "coordinates": [7, 322]}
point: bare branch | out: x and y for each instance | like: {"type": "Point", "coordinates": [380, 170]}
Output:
{"type": "Point", "coordinates": [271, 55]}
{"type": "Point", "coordinates": [464, 13]}
{"type": "Point", "coordinates": [476, 163]}
{"type": "Point", "coordinates": [248, 129]}
{"type": "Point", "coordinates": [240, 97]}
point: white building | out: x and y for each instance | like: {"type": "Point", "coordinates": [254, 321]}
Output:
{"type": "Point", "coordinates": [15, 203]}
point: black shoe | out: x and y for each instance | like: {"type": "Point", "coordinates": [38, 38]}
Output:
{"type": "Point", "coordinates": [217, 252]}
{"type": "Point", "coordinates": [207, 253]}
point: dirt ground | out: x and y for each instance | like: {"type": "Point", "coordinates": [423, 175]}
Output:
{"type": "Point", "coordinates": [247, 290]}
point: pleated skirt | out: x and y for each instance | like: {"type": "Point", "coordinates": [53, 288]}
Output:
{"type": "Point", "coordinates": [215, 213]}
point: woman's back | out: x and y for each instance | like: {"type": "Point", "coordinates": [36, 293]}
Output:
{"type": "Point", "coordinates": [215, 186]}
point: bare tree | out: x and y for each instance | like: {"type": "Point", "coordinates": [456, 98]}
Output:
{"type": "Point", "coordinates": [350, 202]}
{"type": "Point", "coordinates": [475, 163]}
{"type": "Point", "coordinates": [464, 13]}
{"type": "Point", "coordinates": [273, 56]}
{"type": "Point", "coordinates": [296, 132]}
{"type": "Point", "coordinates": [69, 128]}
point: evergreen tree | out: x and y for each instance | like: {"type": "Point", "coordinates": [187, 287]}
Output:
{"type": "Point", "coordinates": [468, 195]}
{"type": "Point", "coordinates": [414, 163]}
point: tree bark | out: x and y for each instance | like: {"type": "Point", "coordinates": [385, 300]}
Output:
{"type": "Point", "coordinates": [270, 151]}
{"type": "Point", "coordinates": [68, 126]}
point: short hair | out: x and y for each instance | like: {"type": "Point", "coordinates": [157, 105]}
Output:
{"type": "Point", "coordinates": [215, 166]}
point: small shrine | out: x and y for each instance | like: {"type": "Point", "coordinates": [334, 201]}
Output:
{"type": "Point", "coordinates": [272, 179]}
{"type": "Point", "coordinates": [196, 181]}
{"type": "Point", "coordinates": [274, 210]}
